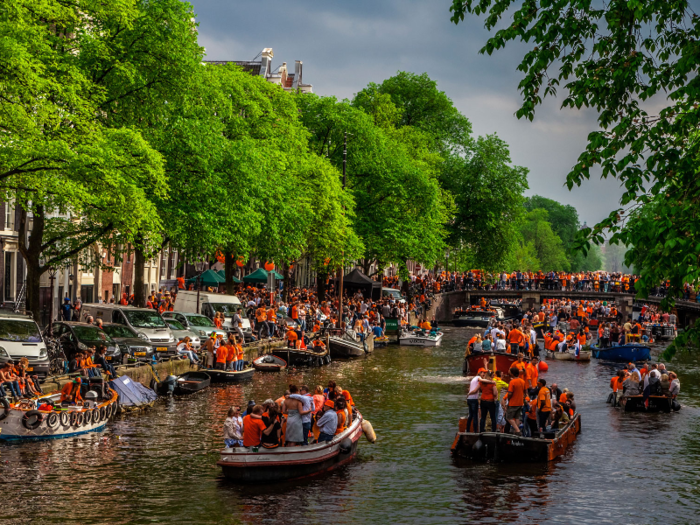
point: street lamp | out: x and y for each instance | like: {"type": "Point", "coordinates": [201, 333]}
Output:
{"type": "Point", "coordinates": [199, 266]}
{"type": "Point", "coordinates": [52, 276]}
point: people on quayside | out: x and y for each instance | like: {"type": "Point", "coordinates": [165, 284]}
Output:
{"type": "Point", "coordinates": [297, 418]}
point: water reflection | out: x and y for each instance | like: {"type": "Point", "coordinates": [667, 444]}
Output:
{"type": "Point", "coordinates": [161, 466]}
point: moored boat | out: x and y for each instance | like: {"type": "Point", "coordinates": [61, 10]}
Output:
{"type": "Point", "coordinates": [24, 422]}
{"type": "Point", "coordinates": [269, 363]}
{"type": "Point", "coordinates": [420, 338]}
{"type": "Point", "coordinates": [583, 355]}
{"type": "Point", "coordinates": [347, 344]}
{"type": "Point", "coordinates": [629, 353]}
{"type": "Point", "coordinates": [229, 376]}
{"type": "Point", "coordinates": [318, 356]}
{"type": "Point", "coordinates": [498, 446]}
{"type": "Point", "coordinates": [261, 465]}
{"type": "Point", "coordinates": [477, 317]}
{"type": "Point", "coordinates": [191, 382]}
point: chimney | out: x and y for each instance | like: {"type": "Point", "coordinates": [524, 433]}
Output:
{"type": "Point", "coordinates": [297, 73]}
{"type": "Point", "coordinates": [266, 62]}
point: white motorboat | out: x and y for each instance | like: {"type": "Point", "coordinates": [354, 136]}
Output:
{"type": "Point", "coordinates": [420, 338]}
{"type": "Point", "coordinates": [23, 421]}
{"type": "Point", "coordinates": [262, 465]}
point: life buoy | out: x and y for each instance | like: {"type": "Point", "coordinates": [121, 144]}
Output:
{"type": "Point", "coordinates": [53, 420]}
{"type": "Point", "coordinates": [65, 419]}
{"type": "Point", "coordinates": [36, 423]}
{"type": "Point", "coordinates": [6, 408]}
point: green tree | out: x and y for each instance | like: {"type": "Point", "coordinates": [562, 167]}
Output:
{"type": "Point", "coordinates": [614, 57]}
{"type": "Point", "coordinates": [75, 180]}
{"type": "Point", "coordinates": [549, 248]}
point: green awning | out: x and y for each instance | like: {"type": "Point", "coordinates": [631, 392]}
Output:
{"type": "Point", "coordinates": [259, 276]}
{"type": "Point", "coordinates": [208, 278]}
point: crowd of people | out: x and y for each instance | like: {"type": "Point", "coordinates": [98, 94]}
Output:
{"type": "Point", "coordinates": [17, 381]}
{"type": "Point", "coordinates": [298, 418]}
{"type": "Point", "coordinates": [647, 380]}
{"type": "Point", "coordinates": [524, 406]}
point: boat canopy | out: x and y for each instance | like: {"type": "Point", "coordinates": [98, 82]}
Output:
{"type": "Point", "coordinates": [132, 393]}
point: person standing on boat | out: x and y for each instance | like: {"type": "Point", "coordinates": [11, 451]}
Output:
{"type": "Point", "coordinates": [328, 423]}
{"type": "Point", "coordinates": [233, 428]}
{"type": "Point", "coordinates": [516, 400]}
{"type": "Point", "coordinates": [253, 427]}
{"type": "Point", "coordinates": [308, 408]}
{"type": "Point", "coordinates": [294, 435]}
{"type": "Point", "coordinates": [544, 405]}
{"type": "Point", "coordinates": [473, 398]}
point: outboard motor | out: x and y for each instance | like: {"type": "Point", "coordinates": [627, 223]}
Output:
{"type": "Point", "coordinates": [91, 398]}
{"type": "Point", "coordinates": [167, 386]}
{"type": "Point", "coordinates": [97, 384]}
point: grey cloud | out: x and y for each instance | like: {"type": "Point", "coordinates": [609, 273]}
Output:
{"type": "Point", "coordinates": [346, 44]}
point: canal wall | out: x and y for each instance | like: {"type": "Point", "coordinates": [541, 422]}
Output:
{"type": "Point", "coordinates": [144, 373]}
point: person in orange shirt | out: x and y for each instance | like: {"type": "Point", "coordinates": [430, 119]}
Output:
{"type": "Point", "coordinates": [272, 321]}
{"type": "Point", "coordinates": [217, 320]}
{"type": "Point", "coordinates": [544, 405]}
{"type": "Point", "coordinates": [516, 339]}
{"type": "Point", "coordinates": [616, 385]}
{"type": "Point", "coordinates": [70, 393]}
{"type": "Point", "coordinates": [516, 400]}
{"type": "Point", "coordinates": [231, 355]}
{"type": "Point", "coordinates": [292, 338]}
{"type": "Point", "coordinates": [221, 355]}
{"type": "Point", "coordinates": [532, 375]}
{"type": "Point", "coordinates": [253, 427]}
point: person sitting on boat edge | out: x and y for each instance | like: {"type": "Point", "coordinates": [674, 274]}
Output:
{"type": "Point", "coordinates": [9, 379]}
{"type": "Point", "coordinates": [233, 428]}
{"type": "Point", "coordinates": [328, 422]}
{"type": "Point", "coordinates": [70, 393]}
{"type": "Point", "coordinates": [184, 348]}
{"type": "Point", "coordinates": [253, 427]}
{"type": "Point", "coordinates": [101, 361]}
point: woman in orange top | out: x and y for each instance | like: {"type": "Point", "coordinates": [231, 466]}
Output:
{"type": "Point", "coordinates": [221, 355]}
{"type": "Point", "coordinates": [340, 407]}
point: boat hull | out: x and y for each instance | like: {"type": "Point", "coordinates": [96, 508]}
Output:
{"type": "Point", "coordinates": [414, 340]}
{"type": "Point", "coordinates": [13, 429]}
{"type": "Point", "coordinates": [470, 322]}
{"type": "Point", "coordinates": [303, 357]}
{"type": "Point", "coordinates": [191, 382]}
{"type": "Point", "coordinates": [623, 354]}
{"type": "Point", "coordinates": [229, 376]}
{"type": "Point", "coordinates": [566, 356]}
{"type": "Point", "coordinates": [343, 349]}
{"type": "Point", "coordinates": [495, 361]}
{"type": "Point", "coordinates": [636, 404]}
{"type": "Point", "coordinates": [508, 448]}
{"type": "Point", "coordinates": [246, 465]}
{"type": "Point", "coordinates": [277, 365]}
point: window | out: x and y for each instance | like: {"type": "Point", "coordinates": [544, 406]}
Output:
{"type": "Point", "coordinates": [19, 331]}
{"type": "Point", "coordinates": [164, 264]}
{"type": "Point", "coordinates": [117, 330]}
{"type": "Point", "coordinates": [8, 276]}
{"type": "Point", "coordinates": [9, 216]}
{"type": "Point", "coordinates": [173, 265]}
{"type": "Point", "coordinates": [145, 319]}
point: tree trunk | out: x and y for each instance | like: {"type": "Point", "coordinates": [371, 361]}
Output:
{"type": "Point", "coordinates": [31, 252]}
{"type": "Point", "coordinates": [229, 267]}
{"type": "Point", "coordinates": [287, 279]}
{"type": "Point", "coordinates": [321, 285]}
{"type": "Point", "coordinates": [366, 264]}
{"type": "Point", "coordinates": [139, 267]}
{"type": "Point", "coordinates": [406, 285]}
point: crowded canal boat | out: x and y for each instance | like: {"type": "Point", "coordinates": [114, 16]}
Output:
{"type": "Point", "coordinates": [296, 436]}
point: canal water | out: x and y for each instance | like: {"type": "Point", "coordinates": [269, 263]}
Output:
{"type": "Point", "coordinates": [160, 466]}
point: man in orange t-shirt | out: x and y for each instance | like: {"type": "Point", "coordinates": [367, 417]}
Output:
{"type": "Point", "coordinates": [532, 375]}
{"type": "Point", "coordinates": [221, 355]}
{"type": "Point", "coordinates": [516, 339]}
{"type": "Point", "coordinates": [253, 427]}
{"type": "Point", "coordinates": [516, 400]}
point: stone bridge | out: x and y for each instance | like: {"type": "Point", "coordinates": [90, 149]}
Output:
{"type": "Point", "coordinates": [443, 305]}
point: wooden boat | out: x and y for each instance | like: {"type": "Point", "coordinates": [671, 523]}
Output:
{"type": "Point", "coordinates": [477, 317]}
{"type": "Point", "coordinates": [656, 404]}
{"type": "Point", "coordinates": [493, 361]}
{"type": "Point", "coordinates": [261, 465]}
{"type": "Point", "coordinates": [191, 382]}
{"type": "Point", "coordinates": [381, 341]}
{"type": "Point", "coordinates": [497, 446]}
{"type": "Point", "coordinates": [629, 353]}
{"type": "Point", "coordinates": [347, 344]}
{"type": "Point", "coordinates": [311, 356]}
{"type": "Point", "coordinates": [229, 376]}
{"type": "Point", "coordinates": [420, 338]}
{"type": "Point", "coordinates": [568, 356]}
{"type": "Point", "coordinates": [23, 422]}
{"type": "Point", "coordinates": [269, 363]}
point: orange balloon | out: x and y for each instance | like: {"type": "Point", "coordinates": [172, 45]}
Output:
{"type": "Point", "coordinates": [269, 266]}
{"type": "Point", "coordinates": [239, 263]}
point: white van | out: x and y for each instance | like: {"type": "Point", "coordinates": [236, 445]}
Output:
{"type": "Point", "coordinates": [20, 337]}
{"type": "Point", "coordinates": [146, 322]}
{"type": "Point", "coordinates": [209, 304]}
{"type": "Point", "coordinates": [392, 293]}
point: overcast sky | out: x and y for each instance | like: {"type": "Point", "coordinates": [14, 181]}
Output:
{"type": "Point", "coordinates": [345, 44]}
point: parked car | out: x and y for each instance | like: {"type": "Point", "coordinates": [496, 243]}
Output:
{"type": "Point", "coordinates": [20, 337]}
{"type": "Point", "coordinates": [74, 336]}
{"type": "Point", "coordinates": [210, 303]}
{"type": "Point", "coordinates": [145, 322]}
{"type": "Point", "coordinates": [180, 332]}
{"type": "Point", "coordinates": [198, 323]}
{"type": "Point", "coordinates": [393, 293]}
{"type": "Point", "coordinates": [128, 340]}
